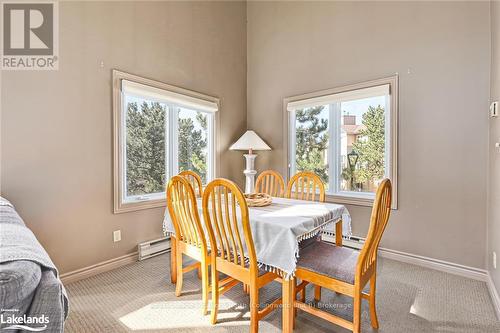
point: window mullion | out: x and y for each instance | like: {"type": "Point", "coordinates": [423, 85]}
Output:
{"type": "Point", "coordinates": [338, 163]}
{"type": "Point", "coordinates": [388, 136]}
{"type": "Point", "coordinates": [211, 147]}
{"type": "Point", "coordinates": [292, 144]}
{"type": "Point", "coordinates": [331, 148]}
{"type": "Point", "coordinates": [123, 124]}
{"type": "Point", "coordinates": [335, 133]}
{"type": "Point", "coordinates": [168, 142]}
{"type": "Point", "coordinates": [174, 140]}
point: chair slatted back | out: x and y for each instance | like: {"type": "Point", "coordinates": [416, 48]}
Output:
{"type": "Point", "coordinates": [183, 210]}
{"type": "Point", "coordinates": [225, 213]}
{"type": "Point", "coordinates": [195, 181]}
{"type": "Point", "coordinates": [380, 216]}
{"type": "Point", "coordinates": [306, 185]}
{"type": "Point", "coordinates": [270, 182]}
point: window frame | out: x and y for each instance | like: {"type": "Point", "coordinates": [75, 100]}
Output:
{"type": "Point", "coordinates": [353, 198]}
{"type": "Point", "coordinates": [120, 204]}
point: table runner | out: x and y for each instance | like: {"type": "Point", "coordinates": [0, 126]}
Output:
{"type": "Point", "coordinates": [278, 228]}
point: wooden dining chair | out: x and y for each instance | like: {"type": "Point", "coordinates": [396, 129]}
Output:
{"type": "Point", "coordinates": [195, 181]}
{"type": "Point", "coordinates": [347, 271]}
{"type": "Point", "coordinates": [189, 236]}
{"type": "Point", "coordinates": [306, 185]}
{"type": "Point", "coordinates": [270, 182]}
{"type": "Point", "coordinates": [226, 217]}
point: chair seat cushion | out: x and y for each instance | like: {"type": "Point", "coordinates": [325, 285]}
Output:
{"type": "Point", "coordinates": [329, 260]}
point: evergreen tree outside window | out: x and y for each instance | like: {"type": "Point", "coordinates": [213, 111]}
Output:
{"type": "Point", "coordinates": [326, 129]}
{"type": "Point", "coordinates": [160, 130]}
{"type": "Point", "coordinates": [193, 142]}
{"type": "Point", "coordinates": [363, 133]}
{"type": "Point", "coordinates": [146, 166]}
{"type": "Point", "coordinates": [163, 139]}
{"type": "Point", "coordinates": [311, 153]}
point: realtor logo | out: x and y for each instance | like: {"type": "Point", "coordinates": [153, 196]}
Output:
{"type": "Point", "coordinates": [29, 36]}
{"type": "Point", "coordinates": [10, 319]}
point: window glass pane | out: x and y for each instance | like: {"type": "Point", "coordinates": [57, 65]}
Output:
{"type": "Point", "coordinates": [193, 142]}
{"type": "Point", "coordinates": [311, 139]}
{"type": "Point", "coordinates": [362, 144]}
{"type": "Point", "coordinates": [145, 152]}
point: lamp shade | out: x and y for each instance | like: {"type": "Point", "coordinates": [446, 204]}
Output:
{"type": "Point", "coordinates": [250, 141]}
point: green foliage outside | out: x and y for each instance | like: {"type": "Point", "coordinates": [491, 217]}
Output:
{"type": "Point", "coordinates": [371, 149]}
{"type": "Point", "coordinates": [193, 145]}
{"type": "Point", "coordinates": [312, 142]}
{"type": "Point", "coordinates": [145, 148]}
{"type": "Point", "coordinates": [312, 145]}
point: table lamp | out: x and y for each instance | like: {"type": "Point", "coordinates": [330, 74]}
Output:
{"type": "Point", "coordinates": [250, 141]}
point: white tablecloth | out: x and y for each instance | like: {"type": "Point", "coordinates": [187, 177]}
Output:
{"type": "Point", "coordinates": [278, 228]}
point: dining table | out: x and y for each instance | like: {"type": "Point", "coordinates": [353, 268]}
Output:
{"type": "Point", "coordinates": [290, 221]}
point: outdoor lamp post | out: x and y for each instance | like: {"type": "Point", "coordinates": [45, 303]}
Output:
{"type": "Point", "coordinates": [352, 159]}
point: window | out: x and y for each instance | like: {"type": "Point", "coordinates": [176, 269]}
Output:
{"type": "Point", "coordinates": [347, 136]}
{"type": "Point", "coordinates": [160, 130]}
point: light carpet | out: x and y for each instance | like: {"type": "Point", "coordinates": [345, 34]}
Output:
{"type": "Point", "coordinates": [140, 298]}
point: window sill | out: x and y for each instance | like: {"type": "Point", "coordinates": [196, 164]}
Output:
{"type": "Point", "coordinates": [365, 200]}
{"type": "Point", "coordinates": [349, 199]}
{"type": "Point", "coordinates": [130, 206]}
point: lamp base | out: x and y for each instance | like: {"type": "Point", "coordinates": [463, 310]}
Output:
{"type": "Point", "coordinates": [250, 173]}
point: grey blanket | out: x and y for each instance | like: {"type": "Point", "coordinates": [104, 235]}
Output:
{"type": "Point", "coordinates": [18, 244]}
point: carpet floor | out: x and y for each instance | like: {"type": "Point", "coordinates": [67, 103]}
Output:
{"type": "Point", "coordinates": [140, 298]}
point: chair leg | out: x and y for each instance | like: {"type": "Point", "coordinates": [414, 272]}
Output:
{"type": "Point", "coordinates": [294, 297]}
{"type": "Point", "coordinates": [302, 298]}
{"type": "Point", "coordinates": [303, 295]}
{"type": "Point", "coordinates": [205, 287]}
{"type": "Point", "coordinates": [215, 294]}
{"type": "Point", "coordinates": [317, 293]}
{"type": "Point", "coordinates": [254, 308]}
{"type": "Point", "coordinates": [357, 312]}
{"type": "Point", "coordinates": [373, 309]}
{"type": "Point", "coordinates": [178, 284]}
{"type": "Point", "coordinates": [200, 274]}
{"type": "Point", "coordinates": [173, 261]}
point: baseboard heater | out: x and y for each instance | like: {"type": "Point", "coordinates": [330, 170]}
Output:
{"type": "Point", "coordinates": [153, 248]}
{"type": "Point", "coordinates": [352, 242]}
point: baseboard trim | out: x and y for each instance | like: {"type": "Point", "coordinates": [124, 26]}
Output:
{"type": "Point", "coordinates": [409, 258]}
{"type": "Point", "coordinates": [101, 267]}
{"type": "Point", "coordinates": [494, 295]}
{"type": "Point", "coordinates": [436, 264]}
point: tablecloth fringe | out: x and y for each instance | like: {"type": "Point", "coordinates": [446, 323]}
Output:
{"type": "Point", "coordinates": [316, 231]}
{"type": "Point", "coordinates": [278, 271]}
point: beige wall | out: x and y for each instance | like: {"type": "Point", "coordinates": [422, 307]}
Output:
{"type": "Point", "coordinates": [442, 53]}
{"type": "Point", "coordinates": [494, 174]}
{"type": "Point", "coordinates": [56, 130]}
